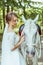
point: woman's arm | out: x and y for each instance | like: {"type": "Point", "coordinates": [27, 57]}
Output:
{"type": "Point", "coordinates": [19, 43]}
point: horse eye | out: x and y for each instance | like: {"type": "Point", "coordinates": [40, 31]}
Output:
{"type": "Point", "coordinates": [25, 34]}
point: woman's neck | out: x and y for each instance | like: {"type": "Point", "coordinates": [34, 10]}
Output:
{"type": "Point", "coordinates": [10, 28]}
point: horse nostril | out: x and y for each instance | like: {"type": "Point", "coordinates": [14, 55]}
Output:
{"type": "Point", "coordinates": [27, 52]}
{"type": "Point", "coordinates": [33, 53]}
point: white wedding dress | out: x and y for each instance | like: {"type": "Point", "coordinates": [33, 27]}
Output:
{"type": "Point", "coordinates": [10, 57]}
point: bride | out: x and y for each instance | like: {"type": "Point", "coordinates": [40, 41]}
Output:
{"type": "Point", "coordinates": [11, 43]}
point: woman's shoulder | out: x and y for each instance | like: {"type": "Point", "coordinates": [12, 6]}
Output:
{"type": "Point", "coordinates": [11, 33]}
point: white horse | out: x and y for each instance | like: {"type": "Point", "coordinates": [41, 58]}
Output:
{"type": "Point", "coordinates": [31, 47]}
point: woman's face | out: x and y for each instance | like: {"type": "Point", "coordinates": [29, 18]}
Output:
{"type": "Point", "coordinates": [13, 21]}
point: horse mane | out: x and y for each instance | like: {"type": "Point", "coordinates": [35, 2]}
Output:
{"type": "Point", "coordinates": [38, 28]}
{"type": "Point", "coordinates": [20, 29]}
{"type": "Point", "coordinates": [22, 26]}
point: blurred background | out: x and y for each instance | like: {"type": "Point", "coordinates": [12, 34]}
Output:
{"type": "Point", "coordinates": [28, 8]}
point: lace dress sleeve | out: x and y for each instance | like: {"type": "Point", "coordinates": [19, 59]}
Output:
{"type": "Point", "coordinates": [16, 39]}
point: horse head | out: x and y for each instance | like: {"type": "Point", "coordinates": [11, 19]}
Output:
{"type": "Point", "coordinates": [32, 37]}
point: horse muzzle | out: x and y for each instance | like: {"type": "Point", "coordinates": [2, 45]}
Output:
{"type": "Point", "coordinates": [30, 54]}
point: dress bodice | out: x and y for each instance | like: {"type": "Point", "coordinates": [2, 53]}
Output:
{"type": "Point", "coordinates": [9, 39]}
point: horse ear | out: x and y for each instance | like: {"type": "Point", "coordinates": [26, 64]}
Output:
{"type": "Point", "coordinates": [35, 20]}
{"type": "Point", "coordinates": [23, 18]}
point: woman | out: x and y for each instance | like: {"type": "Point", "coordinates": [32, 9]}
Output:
{"type": "Point", "coordinates": [11, 42]}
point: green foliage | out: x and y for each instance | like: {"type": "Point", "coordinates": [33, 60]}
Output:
{"type": "Point", "coordinates": [21, 7]}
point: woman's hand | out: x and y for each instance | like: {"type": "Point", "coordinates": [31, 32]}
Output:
{"type": "Point", "coordinates": [19, 43]}
{"type": "Point", "coordinates": [22, 38]}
